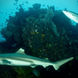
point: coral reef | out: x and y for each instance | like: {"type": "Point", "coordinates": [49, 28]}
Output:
{"type": "Point", "coordinates": [45, 33]}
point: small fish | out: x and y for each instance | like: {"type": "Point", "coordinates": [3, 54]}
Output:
{"type": "Point", "coordinates": [71, 15]}
{"type": "Point", "coordinates": [21, 59]}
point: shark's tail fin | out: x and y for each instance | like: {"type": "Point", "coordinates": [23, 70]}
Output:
{"type": "Point", "coordinates": [57, 64]}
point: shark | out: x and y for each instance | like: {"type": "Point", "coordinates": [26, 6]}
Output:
{"type": "Point", "coordinates": [20, 58]}
{"type": "Point", "coordinates": [71, 15]}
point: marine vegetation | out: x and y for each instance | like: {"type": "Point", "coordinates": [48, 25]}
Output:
{"type": "Point", "coordinates": [42, 32]}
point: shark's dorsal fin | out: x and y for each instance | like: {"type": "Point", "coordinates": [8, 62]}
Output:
{"type": "Point", "coordinates": [21, 51]}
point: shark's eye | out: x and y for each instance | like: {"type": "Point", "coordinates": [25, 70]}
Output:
{"type": "Point", "coordinates": [6, 62]}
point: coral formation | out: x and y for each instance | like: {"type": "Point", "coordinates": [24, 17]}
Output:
{"type": "Point", "coordinates": [45, 33]}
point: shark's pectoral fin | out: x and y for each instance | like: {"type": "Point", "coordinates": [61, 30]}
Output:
{"type": "Point", "coordinates": [33, 65]}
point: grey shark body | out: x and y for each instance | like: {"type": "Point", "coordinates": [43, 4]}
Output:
{"type": "Point", "coordinates": [21, 59]}
{"type": "Point", "coordinates": [71, 15]}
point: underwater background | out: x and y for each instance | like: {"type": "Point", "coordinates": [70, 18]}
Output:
{"type": "Point", "coordinates": [42, 30]}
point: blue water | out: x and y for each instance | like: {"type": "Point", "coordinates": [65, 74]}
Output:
{"type": "Point", "coordinates": [9, 7]}
{"type": "Point", "coordinates": [2, 39]}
